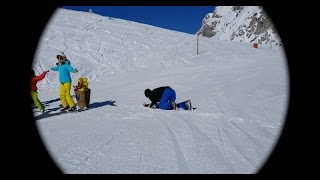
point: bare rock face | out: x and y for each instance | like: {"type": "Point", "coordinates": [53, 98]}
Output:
{"type": "Point", "coordinates": [240, 23]}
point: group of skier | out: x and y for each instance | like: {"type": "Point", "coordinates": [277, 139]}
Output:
{"type": "Point", "coordinates": [161, 98]}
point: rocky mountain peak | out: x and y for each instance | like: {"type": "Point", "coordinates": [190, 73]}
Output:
{"type": "Point", "coordinates": [240, 23]}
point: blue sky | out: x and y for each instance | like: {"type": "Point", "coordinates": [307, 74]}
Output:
{"type": "Point", "coordinates": [179, 18]}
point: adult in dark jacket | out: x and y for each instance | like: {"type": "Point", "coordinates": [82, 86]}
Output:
{"type": "Point", "coordinates": [166, 97]}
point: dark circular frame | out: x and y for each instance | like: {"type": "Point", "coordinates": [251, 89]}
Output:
{"type": "Point", "coordinates": [34, 157]}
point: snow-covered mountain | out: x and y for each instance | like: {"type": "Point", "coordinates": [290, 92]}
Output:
{"type": "Point", "coordinates": [240, 23]}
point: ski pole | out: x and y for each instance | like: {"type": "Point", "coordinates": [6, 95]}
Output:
{"type": "Point", "coordinates": [41, 67]}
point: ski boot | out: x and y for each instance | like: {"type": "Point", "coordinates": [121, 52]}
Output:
{"type": "Point", "coordinates": [173, 105]}
{"type": "Point", "coordinates": [64, 109]}
{"type": "Point", "coordinates": [188, 105]}
{"type": "Point", "coordinates": [74, 108]}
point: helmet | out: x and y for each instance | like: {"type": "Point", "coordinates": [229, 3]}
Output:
{"type": "Point", "coordinates": [61, 54]}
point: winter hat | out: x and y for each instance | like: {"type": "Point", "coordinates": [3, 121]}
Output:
{"type": "Point", "coordinates": [147, 92]}
{"type": "Point", "coordinates": [61, 54]}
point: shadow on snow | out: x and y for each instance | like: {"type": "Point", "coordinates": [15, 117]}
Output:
{"type": "Point", "coordinates": [47, 113]}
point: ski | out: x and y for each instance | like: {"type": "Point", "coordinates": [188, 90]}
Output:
{"type": "Point", "coordinates": [84, 109]}
{"type": "Point", "coordinates": [75, 111]}
{"type": "Point", "coordinates": [187, 105]}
